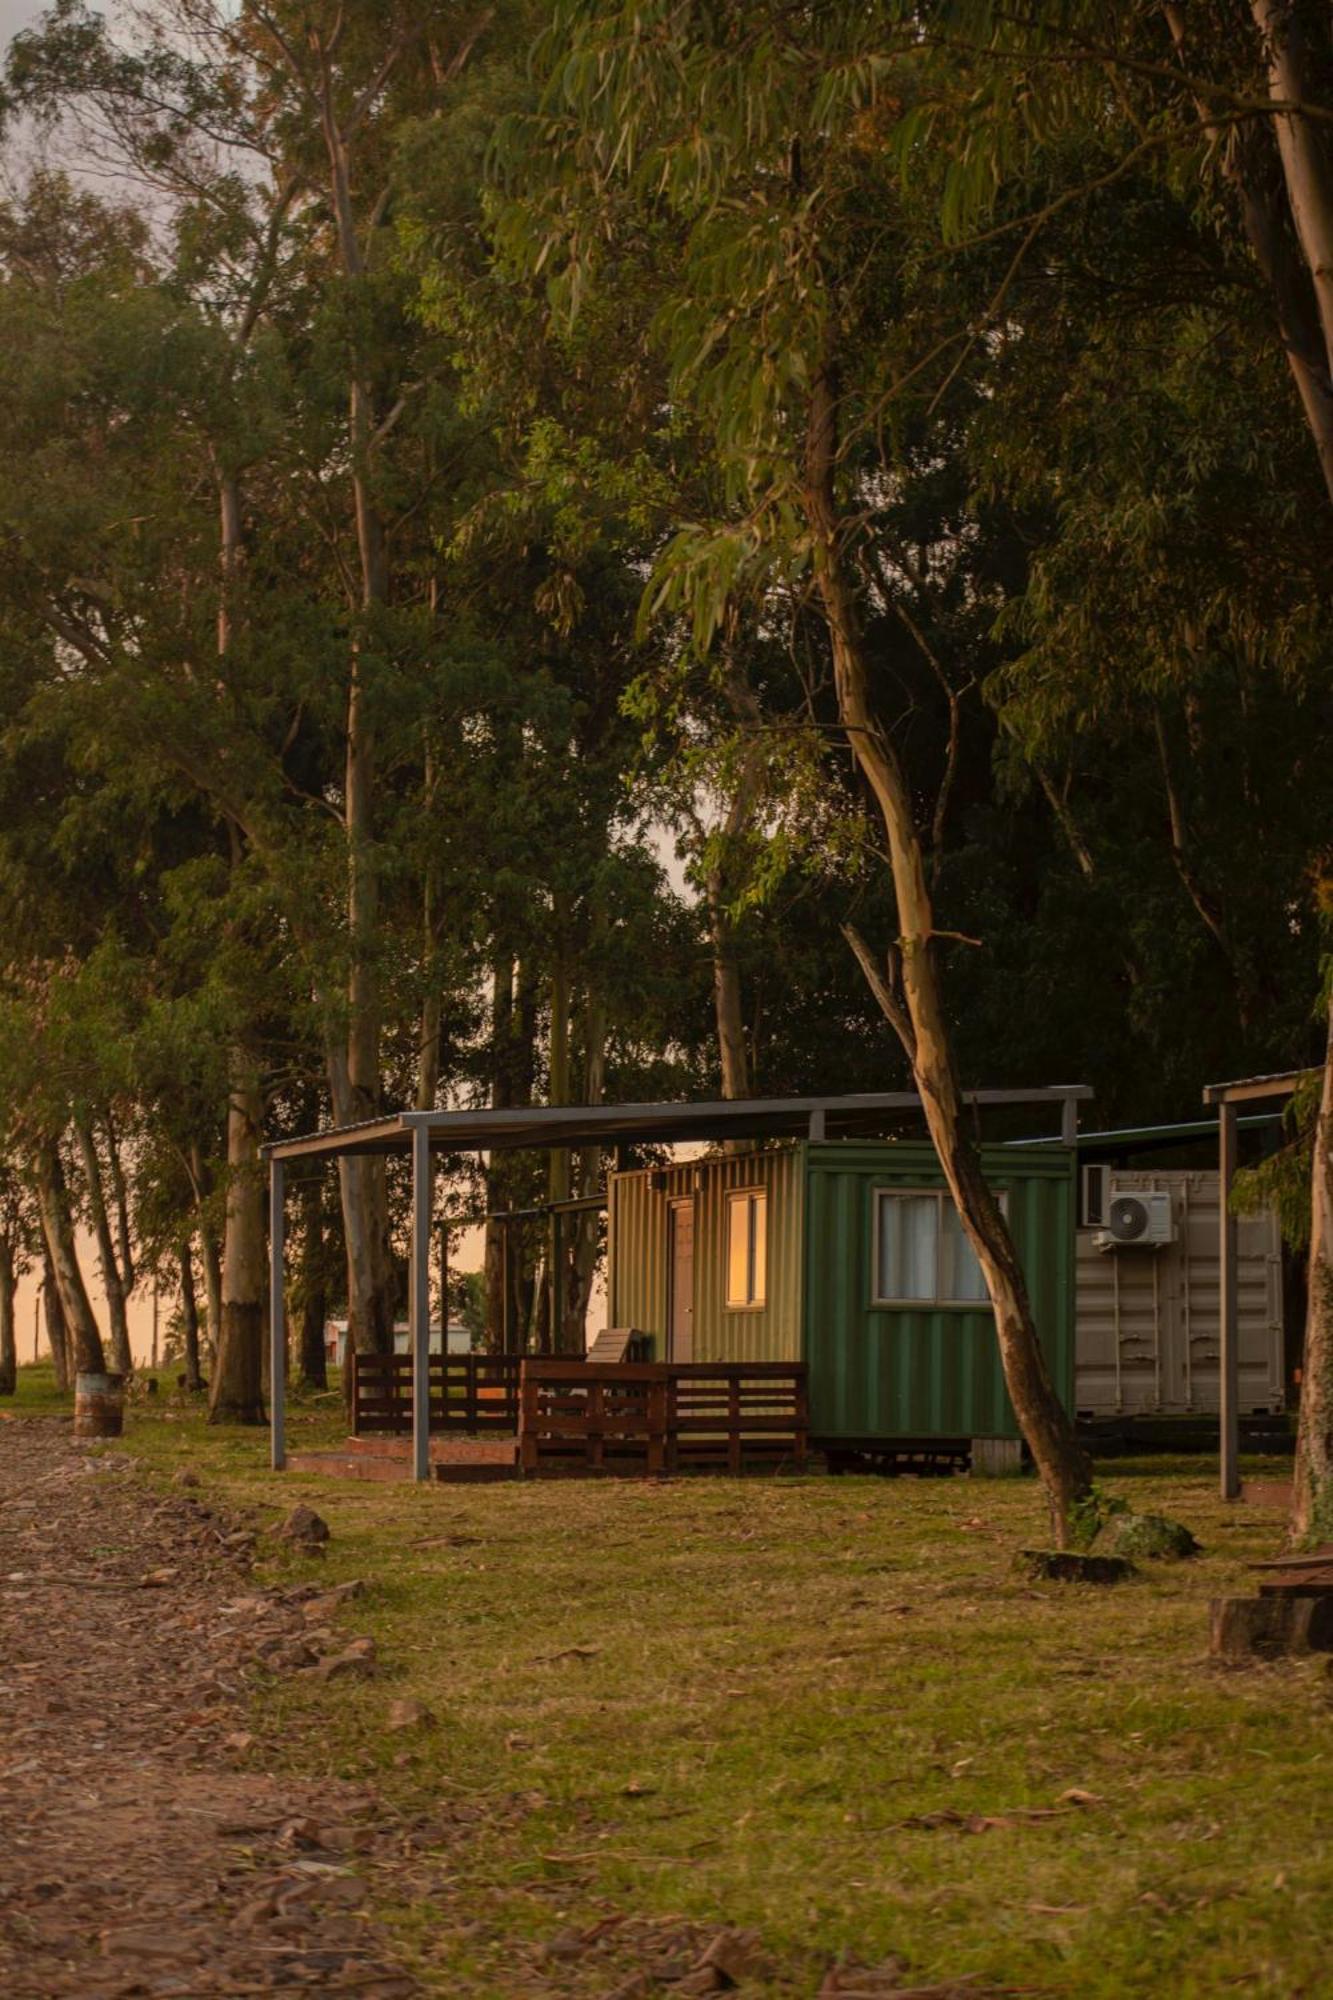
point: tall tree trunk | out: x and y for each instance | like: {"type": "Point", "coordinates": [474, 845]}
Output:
{"type": "Point", "coordinates": [494, 1256]}
{"type": "Point", "coordinates": [587, 1235]}
{"type": "Point", "coordinates": [210, 1255]}
{"type": "Point", "coordinates": [355, 1072]}
{"type": "Point", "coordinates": [918, 1017]}
{"type": "Point", "coordinates": [124, 1243]}
{"type": "Point", "coordinates": [85, 1342]}
{"type": "Point", "coordinates": [558, 1159]}
{"type": "Point", "coordinates": [432, 1007]}
{"type": "Point", "coordinates": [236, 1392]}
{"type": "Point", "coordinates": [738, 827]}
{"type": "Point", "coordinates": [1297, 73]}
{"type": "Point", "coordinates": [57, 1334]}
{"type": "Point", "coordinates": [728, 1009]}
{"type": "Point", "coordinates": [210, 1260]}
{"type": "Point", "coordinates": [1312, 1490]}
{"type": "Point", "coordinates": [1265, 197]}
{"type": "Point", "coordinates": [9, 1356]}
{"type": "Point", "coordinates": [194, 1380]}
{"type": "Point", "coordinates": [113, 1283]}
{"type": "Point", "coordinates": [314, 1287]}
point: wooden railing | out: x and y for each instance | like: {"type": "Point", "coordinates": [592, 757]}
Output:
{"type": "Point", "coordinates": [661, 1416]}
{"type": "Point", "coordinates": [468, 1392]}
{"type": "Point", "coordinates": [586, 1416]}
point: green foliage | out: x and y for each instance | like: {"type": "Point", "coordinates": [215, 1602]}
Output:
{"type": "Point", "coordinates": [1090, 1514]}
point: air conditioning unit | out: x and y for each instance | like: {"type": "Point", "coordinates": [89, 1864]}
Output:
{"type": "Point", "coordinates": [1135, 1221]}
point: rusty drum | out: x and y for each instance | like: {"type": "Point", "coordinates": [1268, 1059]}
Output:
{"type": "Point", "coordinates": [99, 1405]}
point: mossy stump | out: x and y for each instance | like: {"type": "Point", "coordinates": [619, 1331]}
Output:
{"type": "Point", "coordinates": [1068, 1566]}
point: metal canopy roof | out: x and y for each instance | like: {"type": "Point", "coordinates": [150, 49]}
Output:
{"type": "Point", "coordinates": [1142, 1138]}
{"type": "Point", "coordinates": [543, 1127]}
{"type": "Point", "coordinates": [1248, 1088]}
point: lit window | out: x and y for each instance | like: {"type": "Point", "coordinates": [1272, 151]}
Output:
{"type": "Point", "coordinates": [747, 1247]}
{"type": "Point", "coordinates": [922, 1255]}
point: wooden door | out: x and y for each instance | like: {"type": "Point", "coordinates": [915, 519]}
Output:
{"type": "Point", "coordinates": [680, 1281]}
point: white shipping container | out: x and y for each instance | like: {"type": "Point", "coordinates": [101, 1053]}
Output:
{"type": "Point", "coordinates": [1147, 1320]}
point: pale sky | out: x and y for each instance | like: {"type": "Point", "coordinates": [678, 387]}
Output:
{"type": "Point", "coordinates": [15, 14]}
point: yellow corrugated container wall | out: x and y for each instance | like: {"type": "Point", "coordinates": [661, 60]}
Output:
{"type": "Point", "coordinates": [637, 1254]}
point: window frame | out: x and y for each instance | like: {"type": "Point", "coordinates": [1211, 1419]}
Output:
{"type": "Point", "coordinates": [936, 1303]}
{"type": "Point", "coordinates": [758, 1274]}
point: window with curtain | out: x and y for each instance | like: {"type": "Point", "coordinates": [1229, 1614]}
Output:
{"type": "Point", "coordinates": [747, 1247]}
{"type": "Point", "coordinates": [922, 1255]}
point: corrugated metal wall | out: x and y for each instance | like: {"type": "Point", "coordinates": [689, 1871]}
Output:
{"type": "Point", "coordinates": [637, 1255]}
{"type": "Point", "coordinates": [878, 1372]}
{"type": "Point", "coordinates": [1147, 1322]}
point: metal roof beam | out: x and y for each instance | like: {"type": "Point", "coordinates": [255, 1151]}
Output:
{"type": "Point", "coordinates": [1250, 1089]}
{"type": "Point", "coordinates": [542, 1127]}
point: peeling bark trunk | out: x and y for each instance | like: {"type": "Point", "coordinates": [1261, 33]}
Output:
{"type": "Point", "coordinates": [918, 1018]}
{"type": "Point", "coordinates": [53, 1312]}
{"type": "Point", "coordinates": [493, 1263]}
{"type": "Point", "coordinates": [85, 1354]}
{"type": "Point", "coordinates": [194, 1380]}
{"type": "Point", "coordinates": [1305, 316]}
{"type": "Point", "coordinates": [728, 1010]}
{"type": "Point", "coordinates": [314, 1289]}
{"type": "Point", "coordinates": [125, 1246]}
{"type": "Point", "coordinates": [113, 1283]}
{"type": "Point", "coordinates": [1312, 1488]}
{"type": "Point", "coordinates": [558, 1160]}
{"type": "Point", "coordinates": [210, 1259]}
{"type": "Point", "coordinates": [210, 1255]}
{"type": "Point", "coordinates": [236, 1394]}
{"type": "Point", "coordinates": [355, 1072]}
{"type": "Point", "coordinates": [1262, 189]}
{"type": "Point", "coordinates": [432, 1008]}
{"type": "Point", "coordinates": [509, 1278]}
{"type": "Point", "coordinates": [587, 1235]}
{"type": "Point", "coordinates": [1306, 166]}
{"type": "Point", "coordinates": [9, 1356]}
{"type": "Point", "coordinates": [371, 1284]}
{"type": "Point", "coordinates": [728, 1000]}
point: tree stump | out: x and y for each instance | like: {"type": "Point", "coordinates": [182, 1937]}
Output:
{"type": "Point", "coordinates": [1246, 1628]}
{"type": "Point", "coordinates": [1067, 1566]}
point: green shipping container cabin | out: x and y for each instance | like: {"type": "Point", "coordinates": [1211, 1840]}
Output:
{"type": "Point", "coordinates": [846, 1255]}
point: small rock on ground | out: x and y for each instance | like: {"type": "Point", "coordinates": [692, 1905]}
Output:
{"type": "Point", "coordinates": [302, 1524]}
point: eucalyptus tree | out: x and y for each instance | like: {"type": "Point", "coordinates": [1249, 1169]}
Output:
{"type": "Point", "coordinates": [270, 133]}
{"type": "Point", "coordinates": [1234, 99]}
{"type": "Point", "coordinates": [18, 1242]}
{"type": "Point", "coordinates": [792, 330]}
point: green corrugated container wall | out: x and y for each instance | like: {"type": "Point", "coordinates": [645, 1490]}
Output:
{"type": "Point", "coordinates": [933, 1372]}
{"type": "Point", "coordinates": [874, 1372]}
{"type": "Point", "coordinates": [771, 1332]}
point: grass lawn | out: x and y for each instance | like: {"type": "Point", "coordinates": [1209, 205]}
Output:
{"type": "Point", "coordinates": [824, 1708]}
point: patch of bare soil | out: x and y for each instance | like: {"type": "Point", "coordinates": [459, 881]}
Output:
{"type": "Point", "coordinates": [138, 1855]}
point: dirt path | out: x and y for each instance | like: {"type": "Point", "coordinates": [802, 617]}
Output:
{"type": "Point", "coordinates": [138, 1855]}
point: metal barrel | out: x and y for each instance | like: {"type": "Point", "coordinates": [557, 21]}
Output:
{"type": "Point", "coordinates": [99, 1405]}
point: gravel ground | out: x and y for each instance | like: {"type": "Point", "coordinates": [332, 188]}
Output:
{"type": "Point", "coordinates": [138, 1853]}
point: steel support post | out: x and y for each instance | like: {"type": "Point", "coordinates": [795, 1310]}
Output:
{"type": "Point", "coordinates": [277, 1319]}
{"type": "Point", "coordinates": [419, 1301]}
{"type": "Point", "coordinates": [1229, 1344]}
